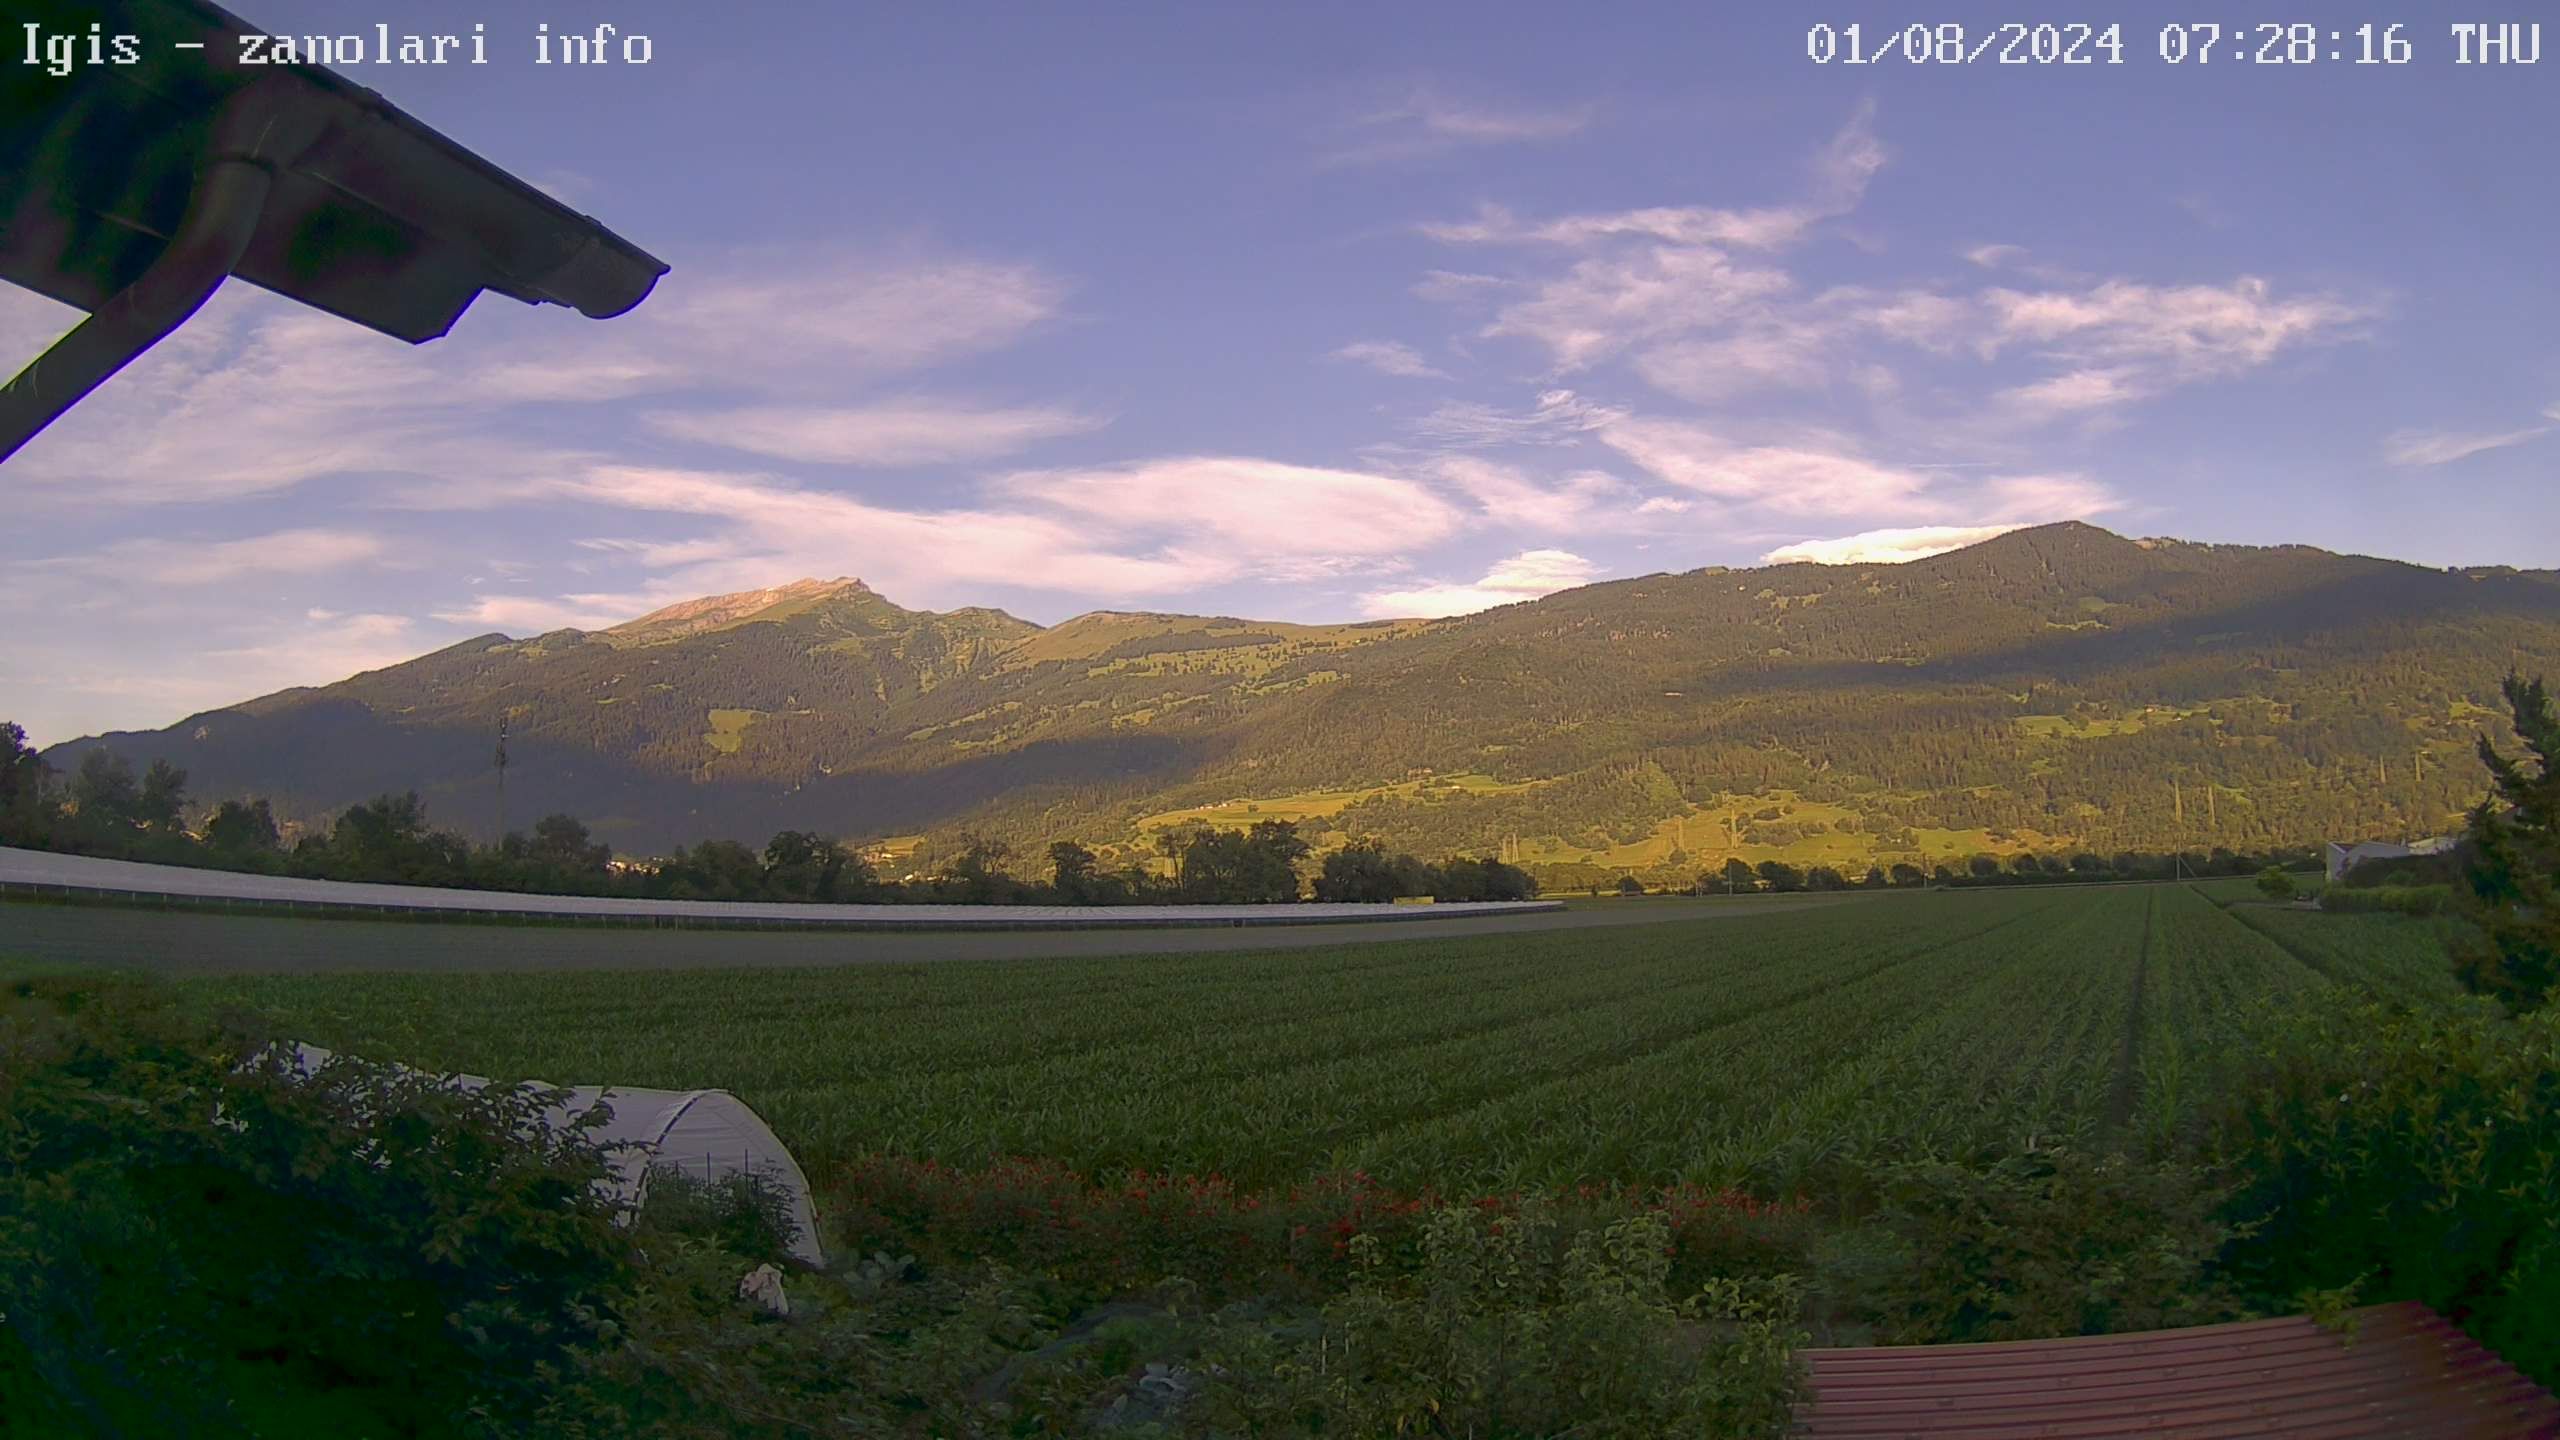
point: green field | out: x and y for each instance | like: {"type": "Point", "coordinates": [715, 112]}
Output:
{"type": "Point", "coordinates": [1762, 1051]}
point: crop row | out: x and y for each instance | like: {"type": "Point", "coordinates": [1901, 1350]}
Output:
{"type": "Point", "coordinates": [1775, 1050]}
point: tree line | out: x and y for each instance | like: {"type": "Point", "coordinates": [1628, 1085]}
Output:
{"type": "Point", "coordinates": [1778, 877]}
{"type": "Point", "coordinates": [105, 809]}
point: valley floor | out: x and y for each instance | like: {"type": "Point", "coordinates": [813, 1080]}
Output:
{"type": "Point", "coordinates": [1759, 1050]}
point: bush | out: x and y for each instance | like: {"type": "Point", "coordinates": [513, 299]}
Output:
{"type": "Point", "coordinates": [1088, 1241]}
{"type": "Point", "coordinates": [2394, 899]}
{"type": "Point", "coordinates": [2036, 1245]}
{"type": "Point", "coordinates": [2275, 884]}
{"type": "Point", "coordinates": [195, 1239]}
{"type": "Point", "coordinates": [1515, 1325]}
{"type": "Point", "coordinates": [746, 1214]}
{"type": "Point", "coordinates": [2417, 1152]}
{"type": "Point", "coordinates": [882, 1351]}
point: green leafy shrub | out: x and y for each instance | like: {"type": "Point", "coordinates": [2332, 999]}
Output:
{"type": "Point", "coordinates": [1514, 1325]}
{"type": "Point", "coordinates": [2420, 1150]}
{"type": "Point", "coordinates": [2394, 899]}
{"type": "Point", "coordinates": [2275, 884]}
{"type": "Point", "coordinates": [744, 1213]}
{"type": "Point", "coordinates": [196, 1240]}
{"type": "Point", "coordinates": [889, 1351]}
{"type": "Point", "coordinates": [1089, 1240]}
{"type": "Point", "coordinates": [2035, 1245]}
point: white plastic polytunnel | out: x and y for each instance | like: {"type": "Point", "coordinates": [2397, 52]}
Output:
{"type": "Point", "coordinates": [707, 1134]}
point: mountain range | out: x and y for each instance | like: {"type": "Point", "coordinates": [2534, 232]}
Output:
{"type": "Point", "coordinates": [2055, 688]}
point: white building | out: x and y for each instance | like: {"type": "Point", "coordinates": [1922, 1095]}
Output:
{"type": "Point", "coordinates": [2343, 858]}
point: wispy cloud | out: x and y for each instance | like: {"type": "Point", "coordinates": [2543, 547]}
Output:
{"type": "Point", "coordinates": [1560, 417]}
{"type": "Point", "coordinates": [2071, 393]}
{"type": "Point", "coordinates": [905, 432]}
{"type": "Point", "coordinates": [1786, 479]}
{"type": "Point", "coordinates": [2182, 331]}
{"type": "Point", "coordinates": [257, 395]}
{"type": "Point", "coordinates": [1104, 534]}
{"type": "Point", "coordinates": [1772, 352]}
{"type": "Point", "coordinates": [1252, 505]}
{"type": "Point", "coordinates": [1389, 357]}
{"type": "Point", "coordinates": [1584, 501]}
{"type": "Point", "coordinates": [2443, 447]}
{"type": "Point", "coordinates": [1700, 303]}
{"type": "Point", "coordinates": [1423, 121]}
{"type": "Point", "coordinates": [1605, 304]}
{"type": "Point", "coordinates": [1819, 474]}
{"type": "Point", "coordinates": [1839, 176]}
{"type": "Point", "coordinates": [150, 561]}
{"type": "Point", "coordinates": [1525, 576]}
{"type": "Point", "coordinates": [530, 615]}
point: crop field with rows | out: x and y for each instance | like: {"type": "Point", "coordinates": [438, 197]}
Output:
{"type": "Point", "coordinates": [1754, 1052]}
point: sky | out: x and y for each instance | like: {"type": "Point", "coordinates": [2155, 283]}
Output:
{"type": "Point", "coordinates": [1317, 312]}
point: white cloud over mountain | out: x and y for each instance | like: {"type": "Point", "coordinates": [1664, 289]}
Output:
{"type": "Point", "coordinates": [1524, 576]}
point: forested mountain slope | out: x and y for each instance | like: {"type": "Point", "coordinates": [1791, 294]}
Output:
{"type": "Point", "coordinates": [2055, 688]}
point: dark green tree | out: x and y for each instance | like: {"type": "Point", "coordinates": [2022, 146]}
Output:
{"type": "Point", "coordinates": [386, 839]}
{"type": "Point", "coordinates": [1738, 876]}
{"type": "Point", "coordinates": [1779, 875]}
{"type": "Point", "coordinates": [1363, 873]}
{"type": "Point", "coordinates": [561, 843]}
{"type": "Point", "coordinates": [1482, 879]}
{"type": "Point", "coordinates": [104, 795]}
{"type": "Point", "coordinates": [22, 779]}
{"type": "Point", "coordinates": [1249, 867]}
{"type": "Point", "coordinates": [2512, 878]}
{"type": "Point", "coordinates": [977, 876]}
{"type": "Point", "coordinates": [802, 866]}
{"type": "Point", "coordinates": [1072, 872]}
{"type": "Point", "coordinates": [712, 870]}
{"type": "Point", "coordinates": [238, 830]}
{"type": "Point", "coordinates": [161, 807]}
{"type": "Point", "coordinates": [1905, 873]}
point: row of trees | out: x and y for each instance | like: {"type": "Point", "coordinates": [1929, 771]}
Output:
{"type": "Point", "coordinates": [1739, 876]}
{"type": "Point", "coordinates": [106, 809]}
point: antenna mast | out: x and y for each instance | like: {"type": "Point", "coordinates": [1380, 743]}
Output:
{"type": "Point", "coordinates": [502, 779]}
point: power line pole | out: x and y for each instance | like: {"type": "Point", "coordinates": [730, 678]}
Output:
{"type": "Point", "coordinates": [502, 779]}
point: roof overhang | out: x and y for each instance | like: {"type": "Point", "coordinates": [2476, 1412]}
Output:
{"type": "Point", "coordinates": [329, 194]}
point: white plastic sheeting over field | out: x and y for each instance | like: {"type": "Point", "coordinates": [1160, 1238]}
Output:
{"type": "Point", "coordinates": [707, 1134]}
{"type": "Point", "coordinates": [40, 871]}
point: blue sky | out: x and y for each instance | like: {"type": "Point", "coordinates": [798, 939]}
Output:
{"type": "Point", "coordinates": [1317, 312]}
